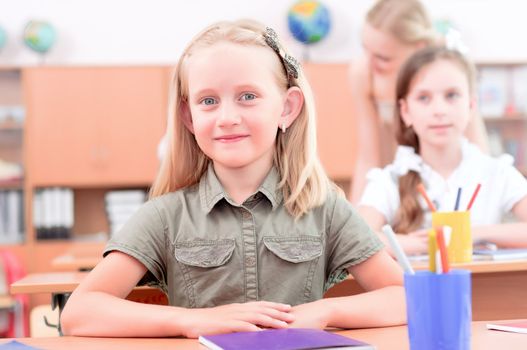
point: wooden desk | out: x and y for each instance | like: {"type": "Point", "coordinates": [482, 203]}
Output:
{"type": "Point", "coordinates": [70, 262]}
{"type": "Point", "coordinates": [389, 338]}
{"type": "Point", "coordinates": [61, 284]}
{"type": "Point", "coordinates": [78, 258]}
{"type": "Point", "coordinates": [66, 282]}
{"type": "Point", "coordinates": [499, 288]}
{"type": "Point", "coordinates": [6, 302]}
{"type": "Point", "coordinates": [55, 282]}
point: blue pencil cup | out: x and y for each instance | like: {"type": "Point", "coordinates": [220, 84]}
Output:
{"type": "Point", "coordinates": [439, 310]}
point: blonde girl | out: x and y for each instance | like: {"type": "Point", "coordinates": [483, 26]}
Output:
{"type": "Point", "coordinates": [244, 230]}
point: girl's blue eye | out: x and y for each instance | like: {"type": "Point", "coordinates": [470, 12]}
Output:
{"type": "Point", "coordinates": [248, 97]}
{"type": "Point", "coordinates": [423, 98]}
{"type": "Point", "coordinates": [208, 101]}
{"type": "Point", "coordinates": [452, 95]}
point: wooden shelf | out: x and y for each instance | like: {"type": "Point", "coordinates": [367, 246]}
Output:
{"type": "Point", "coordinates": [16, 245]}
{"type": "Point", "coordinates": [11, 126]}
{"type": "Point", "coordinates": [500, 63]}
{"type": "Point", "coordinates": [505, 119]}
{"type": "Point", "coordinates": [17, 184]}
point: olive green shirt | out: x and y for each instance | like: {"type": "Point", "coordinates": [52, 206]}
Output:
{"type": "Point", "coordinates": [205, 250]}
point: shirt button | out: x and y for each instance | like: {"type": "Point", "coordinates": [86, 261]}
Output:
{"type": "Point", "coordinates": [250, 261]}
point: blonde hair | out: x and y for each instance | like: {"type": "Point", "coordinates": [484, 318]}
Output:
{"type": "Point", "coordinates": [406, 20]}
{"type": "Point", "coordinates": [304, 184]}
{"type": "Point", "coordinates": [410, 214]}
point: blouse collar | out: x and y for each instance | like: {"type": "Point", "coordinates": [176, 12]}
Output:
{"type": "Point", "coordinates": [406, 159]}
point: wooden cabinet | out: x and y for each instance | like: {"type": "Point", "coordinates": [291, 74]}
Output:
{"type": "Point", "coordinates": [92, 127]}
{"type": "Point", "coordinates": [335, 123]}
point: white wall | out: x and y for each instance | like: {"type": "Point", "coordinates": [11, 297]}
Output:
{"type": "Point", "coordinates": [107, 32]}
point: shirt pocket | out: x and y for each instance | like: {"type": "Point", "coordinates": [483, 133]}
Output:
{"type": "Point", "coordinates": [206, 254]}
{"type": "Point", "coordinates": [297, 261]}
{"type": "Point", "coordinates": [295, 249]}
{"type": "Point", "coordinates": [204, 266]}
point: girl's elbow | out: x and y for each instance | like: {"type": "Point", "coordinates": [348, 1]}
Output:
{"type": "Point", "coordinates": [397, 316]}
{"type": "Point", "coordinates": [69, 318]}
{"type": "Point", "coordinates": [67, 321]}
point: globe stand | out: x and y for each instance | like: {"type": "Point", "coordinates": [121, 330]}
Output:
{"type": "Point", "coordinates": [41, 59]}
{"type": "Point", "coordinates": [305, 53]}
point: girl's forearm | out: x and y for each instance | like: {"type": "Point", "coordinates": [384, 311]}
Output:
{"type": "Point", "coordinates": [377, 308]}
{"type": "Point", "coordinates": [513, 235]}
{"type": "Point", "coordinates": [101, 314]}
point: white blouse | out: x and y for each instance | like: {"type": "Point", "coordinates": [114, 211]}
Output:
{"type": "Point", "coordinates": [502, 185]}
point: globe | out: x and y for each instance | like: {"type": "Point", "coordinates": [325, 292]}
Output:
{"type": "Point", "coordinates": [3, 37]}
{"type": "Point", "coordinates": [309, 21]}
{"type": "Point", "coordinates": [39, 36]}
{"type": "Point", "coordinates": [442, 26]}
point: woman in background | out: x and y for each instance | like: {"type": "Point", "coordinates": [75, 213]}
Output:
{"type": "Point", "coordinates": [393, 31]}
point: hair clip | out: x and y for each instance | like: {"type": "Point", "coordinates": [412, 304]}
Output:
{"type": "Point", "coordinates": [271, 38]}
{"type": "Point", "coordinates": [292, 66]}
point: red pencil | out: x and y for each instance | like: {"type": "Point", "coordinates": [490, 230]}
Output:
{"type": "Point", "coordinates": [473, 197]}
{"type": "Point", "coordinates": [442, 249]}
{"type": "Point", "coordinates": [422, 190]}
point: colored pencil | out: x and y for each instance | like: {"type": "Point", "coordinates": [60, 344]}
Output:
{"type": "Point", "coordinates": [422, 190]}
{"type": "Point", "coordinates": [442, 249]}
{"type": "Point", "coordinates": [473, 197]}
{"type": "Point", "coordinates": [456, 207]}
{"type": "Point", "coordinates": [402, 259]}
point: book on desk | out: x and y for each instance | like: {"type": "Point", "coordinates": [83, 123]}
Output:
{"type": "Point", "coordinates": [484, 254]}
{"type": "Point", "coordinates": [515, 326]}
{"type": "Point", "coordinates": [501, 254]}
{"type": "Point", "coordinates": [282, 339]}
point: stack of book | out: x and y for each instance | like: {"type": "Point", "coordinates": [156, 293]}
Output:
{"type": "Point", "coordinates": [53, 214]}
{"type": "Point", "coordinates": [121, 205]}
{"type": "Point", "coordinates": [11, 216]}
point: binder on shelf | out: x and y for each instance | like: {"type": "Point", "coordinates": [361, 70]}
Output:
{"type": "Point", "coordinates": [11, 217]}
{"type": "Point", "coordinates": [519, 86]}
{"type": "Point", "coordinates": [53, 213]}
{"type": "Point", "coordinates": [121, 205]}
{"type": "Point", "coordinates": [494, 91]}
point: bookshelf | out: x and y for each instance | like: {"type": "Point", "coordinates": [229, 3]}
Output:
{"type": "Point", "coordinates": [502, 90]}
{"type": "Point", "coordinates": [12, 115]}
{"type": "Point", "coordinates": [87, 131]}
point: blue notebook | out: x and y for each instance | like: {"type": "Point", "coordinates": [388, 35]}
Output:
{"type": "Point", "coordinates": [282, 339]}
{"type": "Point", "coordinates": [14, 345]}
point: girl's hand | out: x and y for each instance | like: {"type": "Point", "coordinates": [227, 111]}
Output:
{"type": "Point", "coordinates": [415, 242]}
{"type": "Point", "coordinates": [311, 315]}
{"type": "Point", "coordinates": [230, 318]}
{"type": "Point", "coordinates": [423, 234]}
